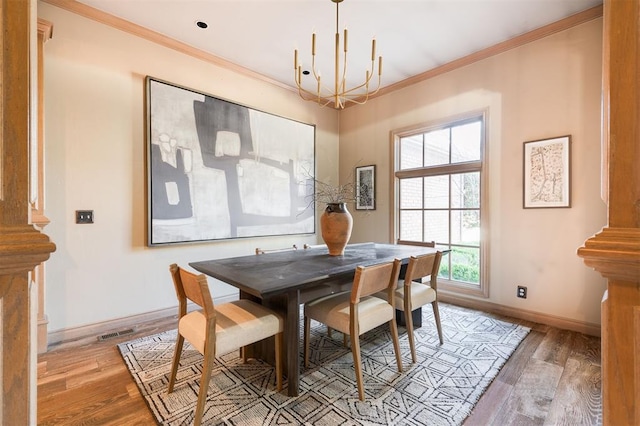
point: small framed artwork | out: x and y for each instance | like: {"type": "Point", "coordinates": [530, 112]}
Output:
{"type": "Point", "coordinates": [366, 188]}
{"type": "Point", "coordinates": [547, 173]}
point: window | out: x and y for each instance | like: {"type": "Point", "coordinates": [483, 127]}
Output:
{"type": "Point", "coordinates": [439, 188]}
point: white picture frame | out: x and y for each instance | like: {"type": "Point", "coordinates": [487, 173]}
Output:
{"type": "Point", "coordinates": [547, 173]}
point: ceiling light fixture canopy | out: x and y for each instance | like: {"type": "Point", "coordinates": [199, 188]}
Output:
{"type": "Point", "coordinates": [340, 94]}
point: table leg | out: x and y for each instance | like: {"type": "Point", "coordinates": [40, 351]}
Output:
{"type": "Point", "coordinates": [292, 339]}
{"type": "Point", "coordinates": [416, 315]}
{"type": "Point", "coordinates": [290, 306]}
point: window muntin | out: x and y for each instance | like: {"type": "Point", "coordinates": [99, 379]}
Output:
{"type": "Point", "coordinates": [440, 179]}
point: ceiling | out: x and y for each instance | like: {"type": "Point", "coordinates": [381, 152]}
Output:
{"type": "Point", "coordinates": [412, 36]}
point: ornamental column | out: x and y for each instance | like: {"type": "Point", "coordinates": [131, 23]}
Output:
{"type": "Point", "coordinates": [615, 251]}
{"type": "Point", "coordinates": [22, 247]}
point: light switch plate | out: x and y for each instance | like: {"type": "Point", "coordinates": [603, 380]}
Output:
{"type": "Point", "coordinates": [84, 216]}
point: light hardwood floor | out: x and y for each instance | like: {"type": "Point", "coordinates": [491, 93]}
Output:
{"type": "Point", "coordinates": [553, 378]}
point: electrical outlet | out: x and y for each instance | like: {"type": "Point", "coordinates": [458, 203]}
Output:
{"type": "Point", "coordinates": [522, 292]}
{"type": "Point", "coordinates": [84, 216]}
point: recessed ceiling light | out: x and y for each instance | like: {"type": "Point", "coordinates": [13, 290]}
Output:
{"type": "Point", "coordinates": [305, 72]}
{"type": "Point", "coordinates": [202, 24]}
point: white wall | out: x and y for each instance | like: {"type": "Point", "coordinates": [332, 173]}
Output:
{"type": "Point", "coordinates": [95, 160]}
{"type": "Point", "coordinates": [550, 87]}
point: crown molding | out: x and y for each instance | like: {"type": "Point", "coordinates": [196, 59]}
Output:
{"type": "Point", "coordinates": [160, 39]}
{"type": "Point", "coordinates": [121, 24]}
{"type": "Point", "coordinates": [521, 40]}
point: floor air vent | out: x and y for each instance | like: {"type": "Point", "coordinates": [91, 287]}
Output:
{"type": "Point", "coordinates": [116, 334]}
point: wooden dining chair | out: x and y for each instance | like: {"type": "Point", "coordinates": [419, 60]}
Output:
{"type": "Point", "coordinates": [217, 330]}
{"type": "Point", "coordinates": [355, 312]}
{"type": "Point", "coordinates": [412, 293]}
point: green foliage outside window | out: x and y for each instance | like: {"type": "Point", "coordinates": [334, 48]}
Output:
{"type": "Point", "coordinates": [466, 265]}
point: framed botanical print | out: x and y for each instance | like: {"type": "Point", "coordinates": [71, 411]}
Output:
{"type": "Point", "coordinates": [547, 173]}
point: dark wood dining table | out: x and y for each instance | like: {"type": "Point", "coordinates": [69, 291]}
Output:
{"type": "Point", "coordinates": [284, 280]}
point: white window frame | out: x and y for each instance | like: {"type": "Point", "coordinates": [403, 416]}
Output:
{"type": "Point", "coordinates": [481, 289]}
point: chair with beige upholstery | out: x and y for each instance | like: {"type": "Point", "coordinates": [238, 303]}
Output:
{"type": "Point", "coordinates": [411, 293]}
{"type": "Point", "coordinates": [217, 330]}
{"type": "Point", "coordinates": [355, 312]}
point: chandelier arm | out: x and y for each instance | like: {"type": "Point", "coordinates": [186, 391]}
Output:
{"type": "Point", "coordinates": [313, 68]}
{"type": "Point", "coordinates": [347, 93]}
{"type": "Point", "coordinates": [327, 102]}
{"type": "Point", "coordinates": [317, 96]}
{"type": "Point", "coordinates": [361, 98]}
{"type": "Point", "coordinates": [356, 88]}
{"type": "Point", "coordinates": [311, 96]}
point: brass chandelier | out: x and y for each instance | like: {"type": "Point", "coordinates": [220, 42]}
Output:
{"type": "Point", "coordinates": [340, 95]}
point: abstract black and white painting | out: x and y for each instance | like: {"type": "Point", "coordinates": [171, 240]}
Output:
{"type": "Point", "coordinates": [218, 170]}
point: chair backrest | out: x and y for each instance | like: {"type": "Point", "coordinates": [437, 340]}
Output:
{"type": "Point", "coordinates": [372, 279]}
{"type": "Point", "coordinates": [263, 251]}
{"type": "Point", "coordinates": [422, 266]}
{"type": "Point", "coordinates": [192, 287]}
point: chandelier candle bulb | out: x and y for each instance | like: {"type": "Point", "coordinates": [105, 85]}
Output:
{"type": "Point", "coordinates": [313, 44]}
{"type": "Point", "coordinates": [373, 50]}
{"type": "Point", "coordinates": [380, 66]}
{"type": "Point", "coordinates": [295, 59]}
{"type": "Point", "coordinates": [345, 40]}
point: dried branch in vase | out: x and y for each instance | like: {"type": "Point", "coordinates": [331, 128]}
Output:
{"type": "Point", "coordinates": [327, 193]}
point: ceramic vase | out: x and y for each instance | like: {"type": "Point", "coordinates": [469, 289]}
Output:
{"type": "Point", "coordinates": [336, 223]}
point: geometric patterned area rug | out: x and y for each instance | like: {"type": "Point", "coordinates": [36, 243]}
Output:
{"type": "Point", "coordinates": [440, 389]}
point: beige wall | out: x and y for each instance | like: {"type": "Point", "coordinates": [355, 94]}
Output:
{"type": "Point", "coordinates": [95, 143]}
{"type": "Point", "coordinates": [547, 88]}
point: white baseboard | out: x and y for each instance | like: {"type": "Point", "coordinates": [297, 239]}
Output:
{"type": "Point", "coordinates": [96, 329]}
{"type": "Point", "coordinates": [99, 328]}
{"type": "Point", "coordinates": [551, 320]}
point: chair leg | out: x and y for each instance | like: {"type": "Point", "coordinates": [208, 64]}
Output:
{"type": "Point", "coordinates": [436, 315]}
{"type": "Point", "coordinates": [396, 343]}
{"type": "Point", "coordinates": [209, 359]}
{"type": "Point", "coordinates": [344, 340]}
{"type": "Point", "coordinates": [329, 332]}
{"type": "Point", "coordinates": [409, 324]}
{"type": "Point", "coordinates": [279, 341]}
{"type": "Point", "coordinates": [357, 363]}
{"type": "Point", "coordinates": [307, 325]}
{"type": "Point", "coordinates": [176, 361]}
